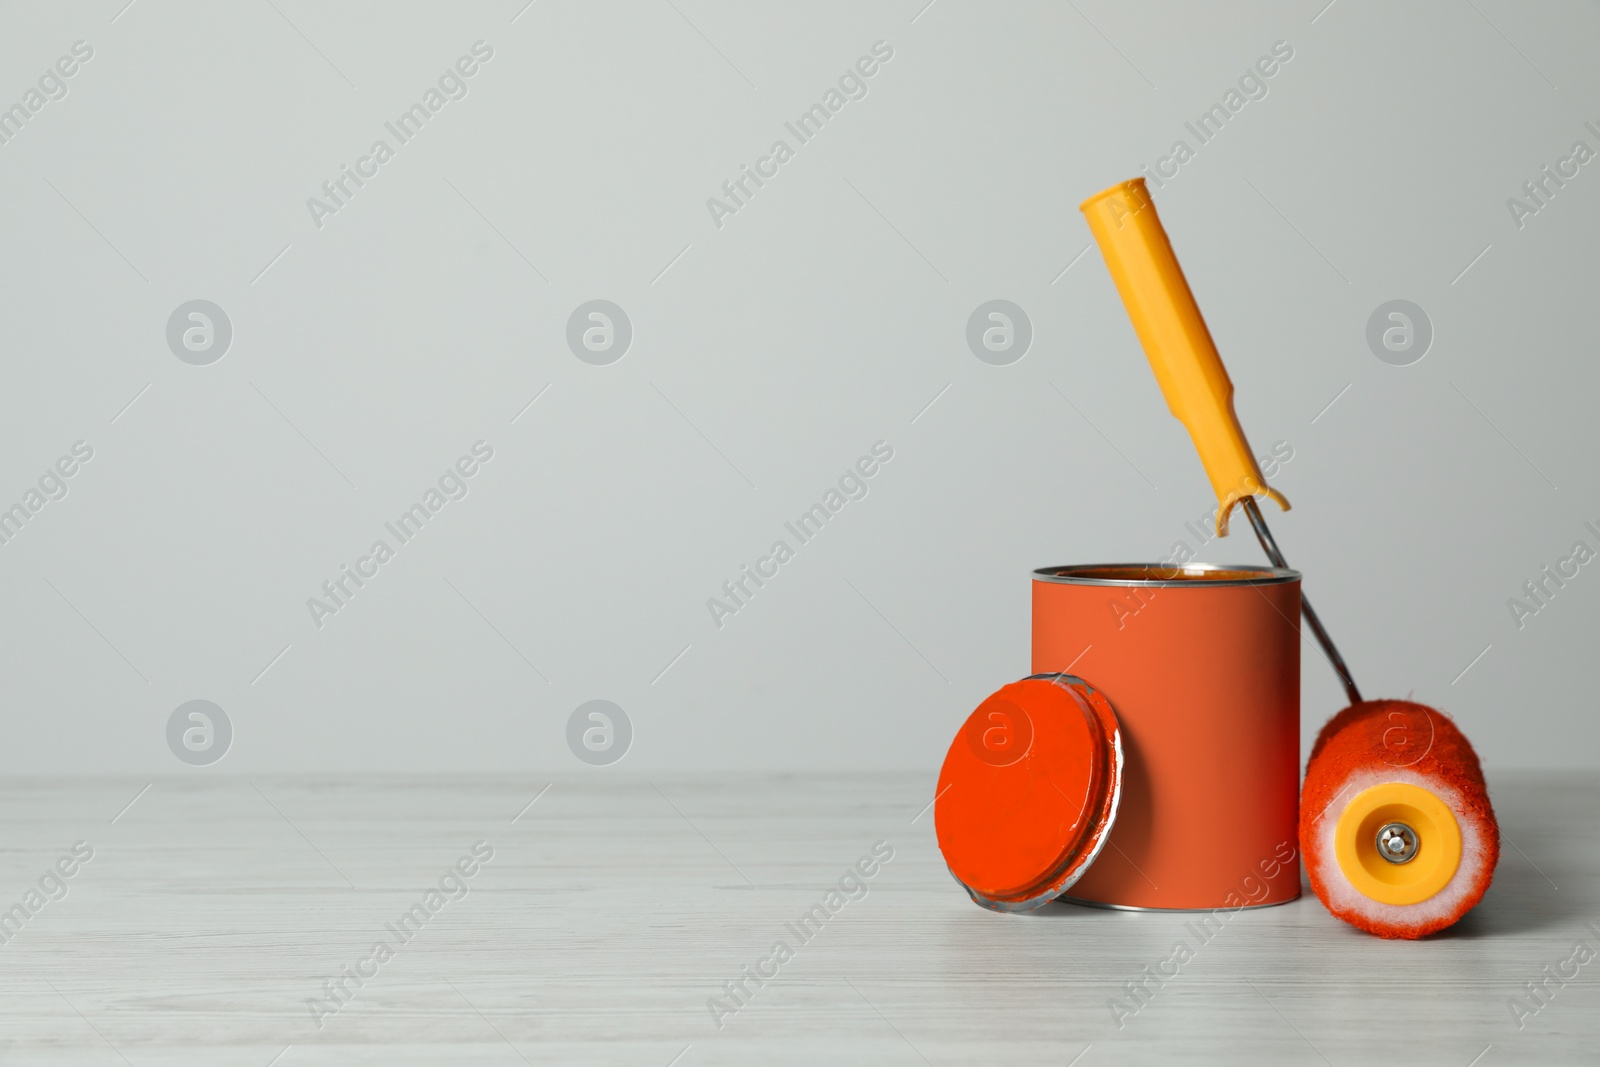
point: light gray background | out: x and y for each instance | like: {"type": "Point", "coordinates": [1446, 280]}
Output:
{"type": "Point", "coordinates": [767, 355]}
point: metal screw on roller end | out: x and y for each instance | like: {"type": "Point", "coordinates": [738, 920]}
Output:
{"type": "Point", "coordinates": [1397, 842]}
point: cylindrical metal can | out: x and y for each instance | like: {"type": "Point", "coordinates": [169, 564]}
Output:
{"type": "Point", "coordinates": [1202, 666]}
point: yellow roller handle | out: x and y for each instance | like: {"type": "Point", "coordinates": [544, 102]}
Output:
{"type": "Point", "coordinates": [1176, 341]}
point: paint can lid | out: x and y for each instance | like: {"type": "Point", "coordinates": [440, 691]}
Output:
{"type": "Point", "coordinates": [1029, 790]}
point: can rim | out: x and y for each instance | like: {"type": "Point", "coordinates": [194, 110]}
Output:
{"type": "Point", "coordinates": [1185, 575]}
{"type": "Point", "coordinates": [1068, 898]}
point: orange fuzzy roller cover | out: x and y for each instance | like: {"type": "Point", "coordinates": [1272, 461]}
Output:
{"type": "Point", "coordinates": [1396, 828]}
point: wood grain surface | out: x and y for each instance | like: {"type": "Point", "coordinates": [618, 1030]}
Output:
{"type": "Point", "coordinates": [614, 910]}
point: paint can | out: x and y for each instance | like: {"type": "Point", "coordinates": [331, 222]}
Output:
{"type": "Point", "coordinates": [1152, 759]}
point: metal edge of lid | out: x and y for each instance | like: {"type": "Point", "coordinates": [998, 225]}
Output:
{"type": "Point", "coordinates": [1117, 766]}
{"type": "Point", "coordinates": [1064, 878]}
{"type": "Point", "coordinates": [1068, 875]}
{"type": "Point", "coordinates": [1194, 575]}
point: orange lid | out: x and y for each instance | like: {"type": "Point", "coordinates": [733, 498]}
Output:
{"type": "Point", "coordinates": [1029, 790]}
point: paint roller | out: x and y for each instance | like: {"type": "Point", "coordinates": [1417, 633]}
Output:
{"type": "Point", "coordinates": [1396, 828]}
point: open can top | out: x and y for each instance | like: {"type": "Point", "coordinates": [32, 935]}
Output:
{"type": "Point", "coordinates": [1029, 791]}
{"type": "Point", "coordinates": [1165, 574]}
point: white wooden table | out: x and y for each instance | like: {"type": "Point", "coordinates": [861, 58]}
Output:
{"type": "Point", "coordinates": [614, 909]}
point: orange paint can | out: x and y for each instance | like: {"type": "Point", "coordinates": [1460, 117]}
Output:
{"type": "Point", "coordinates": [1151, 761]}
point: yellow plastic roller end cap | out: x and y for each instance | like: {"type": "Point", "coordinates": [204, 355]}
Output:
{"type": "Point", "coordinates": [1425, 834]}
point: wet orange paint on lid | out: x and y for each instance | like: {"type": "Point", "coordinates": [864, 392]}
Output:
{"type": "Point", "coordinates": [1028, 791]}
